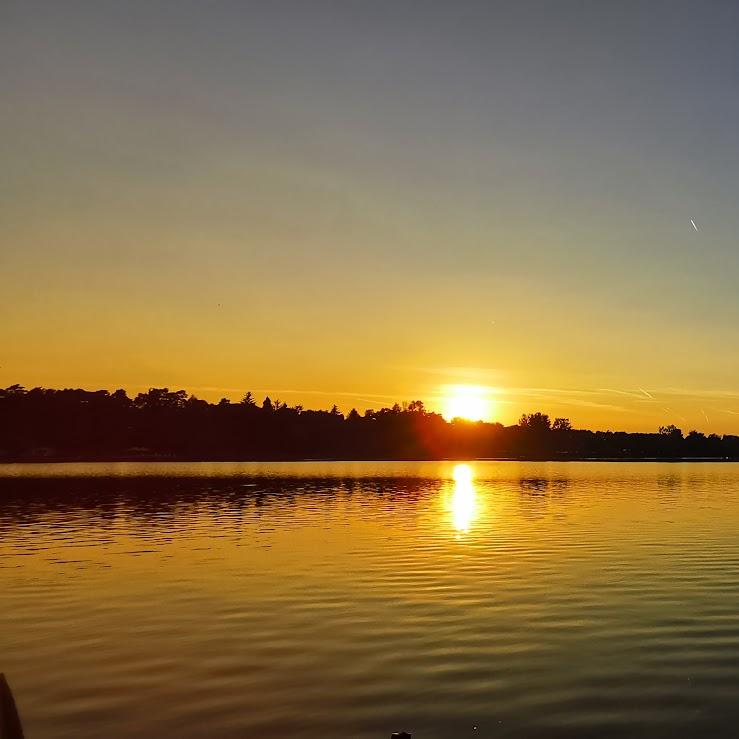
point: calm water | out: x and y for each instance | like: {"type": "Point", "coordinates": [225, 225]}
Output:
{"type": "Point", "coordinates": [352, 600]}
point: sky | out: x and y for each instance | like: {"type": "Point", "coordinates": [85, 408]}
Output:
{"type": "Point", "coordinates": [369, 202]}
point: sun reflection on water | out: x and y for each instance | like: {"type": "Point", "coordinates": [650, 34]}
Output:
{"type": "Point", "coordinates": [463, 503]}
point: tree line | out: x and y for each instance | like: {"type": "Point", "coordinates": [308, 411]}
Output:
{"type": "Point", "coordinates": [43, 423]}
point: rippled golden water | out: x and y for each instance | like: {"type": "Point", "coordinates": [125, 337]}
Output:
{"type": "Point", "coordinates": [352, 600]}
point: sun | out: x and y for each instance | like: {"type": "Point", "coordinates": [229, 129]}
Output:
{"type": "Point", "coordinates": [470, 402]}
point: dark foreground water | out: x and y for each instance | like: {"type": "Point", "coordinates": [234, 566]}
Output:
{"type": "Point", "coordinates": [497, 599]}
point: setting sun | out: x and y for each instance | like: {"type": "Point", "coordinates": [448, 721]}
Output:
{"type": "Point", "coordinates": [469, 402]}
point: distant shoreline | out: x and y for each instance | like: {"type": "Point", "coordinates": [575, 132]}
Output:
{"type": "Point", "coordinates": [74, 425]}
{"type": "Point", "coordinates": [225, 460]}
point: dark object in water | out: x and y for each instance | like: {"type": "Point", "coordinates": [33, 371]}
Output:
{"type": "Point", "coordinates": [10, 722]}
{"type": "Point", "coordinates": [400, 735]}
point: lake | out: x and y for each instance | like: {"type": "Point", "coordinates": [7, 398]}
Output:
{"type": "Point", "coordinates": [486, 599]}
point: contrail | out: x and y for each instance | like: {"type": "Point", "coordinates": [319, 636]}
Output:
{"type": "Point", "coordinates": [649, 395]}
{"type": "Point", "coordinates": [694, 226]}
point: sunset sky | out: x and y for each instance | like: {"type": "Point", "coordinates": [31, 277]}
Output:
{"type": "Point", "coordinates": [364, 202]}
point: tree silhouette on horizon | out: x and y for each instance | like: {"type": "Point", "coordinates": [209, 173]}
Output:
{"type": "Point", "coordinates": [44, 423]}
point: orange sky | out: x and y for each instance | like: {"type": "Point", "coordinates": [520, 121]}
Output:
{"type": "Point", "coordinates": [354, 206]}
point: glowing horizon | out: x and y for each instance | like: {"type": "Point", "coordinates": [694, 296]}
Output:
{"type": "Point", "coordinates": [367, 204]}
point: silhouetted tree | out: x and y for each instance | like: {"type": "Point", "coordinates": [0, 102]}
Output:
{"type": "Point", "coordinates": [160, 398]}
{"type": "Point", "coordinates": [164, 423]}
{"type": "Point", "coordinates": [671, 430]}
{"type": "Point", "coordinates": [534, 422]}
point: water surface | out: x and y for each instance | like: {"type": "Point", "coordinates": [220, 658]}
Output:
{"type": "Point", "coordinates": [500, 599]}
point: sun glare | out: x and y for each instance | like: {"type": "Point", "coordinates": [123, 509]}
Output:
{"type": "Point", "coordinates": [464, 502]}
{"type": "Point", "coordinates": [470, 402]}
{"type": "Point", "coordinates": [462, 474]}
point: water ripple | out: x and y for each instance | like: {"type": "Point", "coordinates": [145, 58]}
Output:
{"type": "Point", "coordinates": [352, 599]}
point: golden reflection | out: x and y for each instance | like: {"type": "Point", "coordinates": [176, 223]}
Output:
{"type": "Point", "coordinates": [464, 503]}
